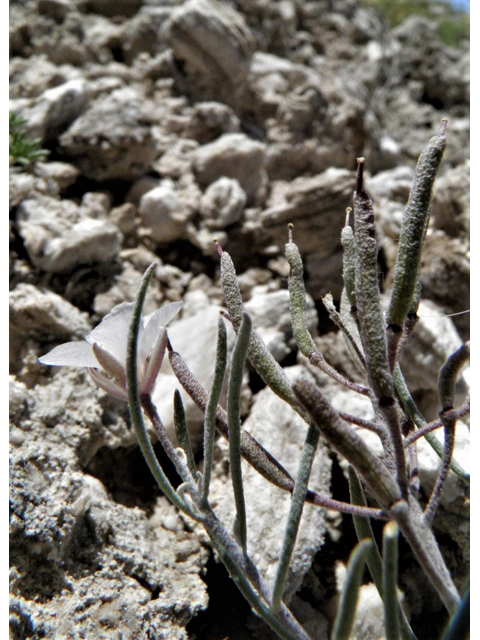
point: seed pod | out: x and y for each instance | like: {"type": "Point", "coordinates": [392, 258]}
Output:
{"type": "Point", "coordinates": [298, 305]}
{"type": "Point", "coordinates": [414, 228]}
{"type": "Point", "coordinates": [370, 313]}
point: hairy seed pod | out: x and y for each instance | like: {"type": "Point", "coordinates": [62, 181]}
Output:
{"type": "Point", "coordinates": [298, 305]}
{"type": "Point", "coordinates": [414, 228]}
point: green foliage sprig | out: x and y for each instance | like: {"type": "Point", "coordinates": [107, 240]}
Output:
{"type": "Point", "coordinates": [22, 150]}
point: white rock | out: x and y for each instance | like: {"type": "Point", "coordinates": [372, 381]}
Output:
{"type": "Point", "coordinates": [45, 314]}
{"type": "Point", "coordinates": [429, 465]}
{"type": "Point", "coordinates": [435, 338]}
{"type": "Point", "coordinates": [203, 238]}
{"type": "Point", "coordinates": [163, 213]}
{"type": "Point", "coordinates": [113, 137]}
{"type": "Point", "coordinates": [55, 109]}
{"type": "Point", "coordinates": [394, 184]}
{"type": "Point", "coordinates": [42, 315]}
{"type": "Point", "coordinates": [233, 155]}
{"type": "Point", "coordinates": [282, 432]}
{"type": "Point", "coordinates": [271, 318]}
{"type": "Point", "coordinates": [213, 40]}
{"type": "Point", "coordinates": [223, 203]}
{"type": "Point", "coordinates": [59, 235]}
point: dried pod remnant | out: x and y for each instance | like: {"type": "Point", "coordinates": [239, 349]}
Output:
{"type": "Point", "coordinates": [372, 324]}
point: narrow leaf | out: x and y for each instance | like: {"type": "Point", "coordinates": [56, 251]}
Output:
{"type": "Point", "coordinates": [134, 401]}
{"type": "Point", "coordinates": [295, 514]}
{"type": "Point", "coordinates": [234, 424]}
{"type": "Point", "coordinates": [212, 406]}
{"type": "Point", "coordinates": [348, 602]}
{"type": "Point", "coordinates": [390, 570]}
{"type": "Point", "coordinates": [182, 433]}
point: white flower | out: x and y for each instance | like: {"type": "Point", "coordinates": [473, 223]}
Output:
{"type": "Point", "coordinates": [105, 349]}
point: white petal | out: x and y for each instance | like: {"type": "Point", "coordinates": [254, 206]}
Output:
{"type": "Point", "coordinates": [156, 358]}
{"type": "Point", "coordinates": [71, 354]}
{"type": "Point", "coordinates": [110, 365]}
{"type": "Point", "coordinates": [152, 324]}
{"type": "Point", "coordinates": [107, 385]}
{"type": "Point", "coordinates": [112, 333]}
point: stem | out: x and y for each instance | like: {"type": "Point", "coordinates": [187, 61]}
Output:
{"type": "Point", "coordinates": [446, 390]}
{"type": "Point", "coordinates": [252, 451]}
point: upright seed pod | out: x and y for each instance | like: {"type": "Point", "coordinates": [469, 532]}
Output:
{"type": "Point", "coordinates": [406, 285]}
{"type": "Point", "coordinates": [298, 305]}
{"type": "Point", "coordinates": [372, 323]}
{"type": "Point", "coordinates": [370, 313]}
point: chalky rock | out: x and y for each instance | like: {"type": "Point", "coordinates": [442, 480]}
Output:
{"type": "Point", "coordinates": [210, 120]}
{"type": "Point", "coordinates": [282, 432]}
{"type": "Point", "coordinates": [61, 516]}
{"type": "Point", "coordinates": [51, 113]}
{"type": "Point", "coordinates": [113, 138]}
{"type": "Point", "coordinates": [146, 32]}
{"type": "Point", "coordinates": [451, 202]}
{"type": "Point", "coordinates": [435, 338]}
{"type": "Point", "coordinates": [223, 203]}
{"type": "Point", "coordinates": [214, 45]}
{"type": "Point", "coordinates": [59, 235]}
{"type": "Point", "coordinates": [49, 178]}
{"type": "Point", "coordinates": [276, 83]}
{"type": "Point", "coordinates": [43, 315]}
{"type": "Point", "coordinates": [445, 277]}
{"type": "Point", "coordinates": [234, 155]}
{"type": "Point", "coordinates": [163, 213]}
{"type": "Point", "coordinates": [316, 206]}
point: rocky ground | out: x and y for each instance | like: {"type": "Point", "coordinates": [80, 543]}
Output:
{"type": "Point", "coordinates": [170, 124]}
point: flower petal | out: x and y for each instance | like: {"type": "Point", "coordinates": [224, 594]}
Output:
{"type": "Point", "coordinates": [112, 333]}
{"type": "Point", "coordinates": [155, 362]}
{"type": "Point", "coordinates": [107, 385]}
{"type": "Point", "coordinates": [111, 365]}
{"type": "Point", "coordinates": [71, 354]}
{"type": "Point", "coordinates": [152, 323]}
